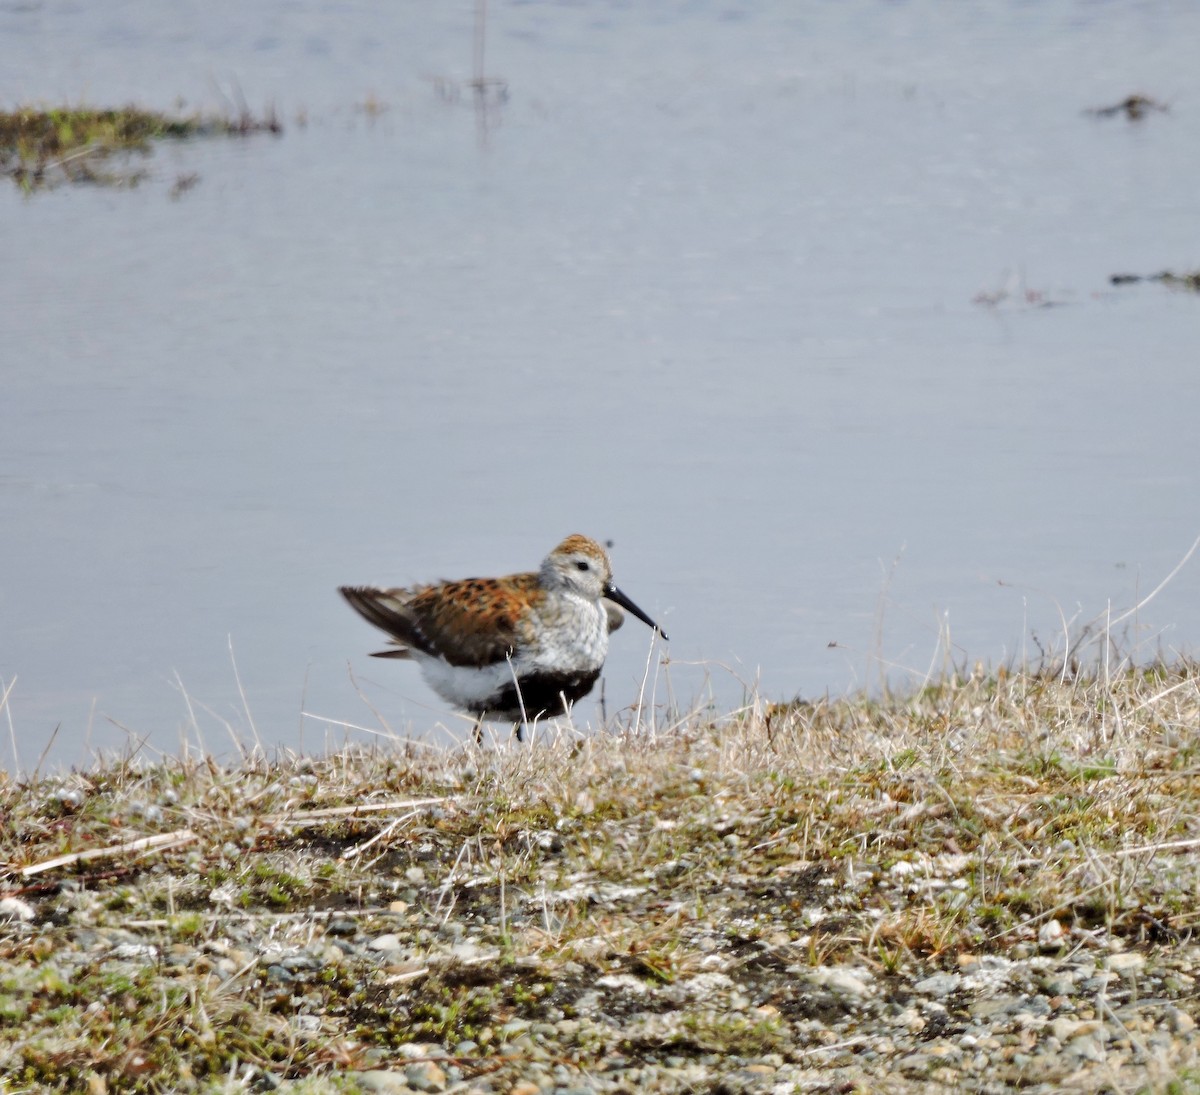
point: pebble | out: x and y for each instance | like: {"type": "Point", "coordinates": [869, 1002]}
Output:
{"type": "Point", "coordinates": [1179, 1022]}
{"type": "Point", "coordinates": [137, 952]}
{"type": "Point", "coordinates": [382, 1081]}
{"type": "Point", "coordinates": [388, 942]}
{"type": "Point", "coordinates": [1050, 935]}
{"type": "Point", "coordinates": [840, 980]}
{"type": "Point", "coordinates": [938, 986]}
{"type": "Point", "coordinates": [991, 1008]}
{"type": "Point", "coordinates": [1087, 1048]}
{"type": "Point", "coordinates": [1126, 962]}
{"type": "Point", "coordinates": [13, 908]}
{"type": "Point", "coordinates": [1066, 1030]}
{"type": "Point", "coordinates": [425, 1076]}
{"type": "Point", "coordinates": [1058, 983]}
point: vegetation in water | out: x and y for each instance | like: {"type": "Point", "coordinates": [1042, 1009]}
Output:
{"type": "Point", "coordinates": [44, 147]}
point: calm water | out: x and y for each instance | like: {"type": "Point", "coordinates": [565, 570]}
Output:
{"type": "Point", "coordinates": [704, 286]}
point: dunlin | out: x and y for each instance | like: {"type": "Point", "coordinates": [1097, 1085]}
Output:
{"type": "Point", "coordinates": [509, 648]}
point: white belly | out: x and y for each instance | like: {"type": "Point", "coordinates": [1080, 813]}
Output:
{"type": "Point", "coordinates": [573, 640]}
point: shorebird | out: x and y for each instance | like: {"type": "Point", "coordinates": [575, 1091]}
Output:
{"type": "Point", "coordinates": [510, 648]}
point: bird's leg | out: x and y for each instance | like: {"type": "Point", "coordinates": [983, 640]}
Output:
{"type": "Point", "coordinates": [519, 730]}
{"type": "Point", "coordinates": [479, 730]}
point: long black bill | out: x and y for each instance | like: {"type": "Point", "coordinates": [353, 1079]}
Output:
{"type": "Point", "coordinates": [617, 597]}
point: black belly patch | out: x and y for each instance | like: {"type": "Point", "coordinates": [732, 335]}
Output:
{"type": "Point", "coordinates": [541, 694]}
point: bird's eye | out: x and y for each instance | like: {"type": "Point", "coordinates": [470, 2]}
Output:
{"type": "Point", "coordinates": [581, 565]}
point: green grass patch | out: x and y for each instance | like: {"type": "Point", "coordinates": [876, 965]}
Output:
{"type": "Point", "coordinates": [44, 147]}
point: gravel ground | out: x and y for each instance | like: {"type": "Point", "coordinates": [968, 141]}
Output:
{"type": "Point", "coordinates": [987, 887]}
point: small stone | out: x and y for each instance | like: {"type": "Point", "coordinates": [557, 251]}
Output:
{"type": "Point", "coordinates": [911, 1020]}
{"type": "Point", "coordinates": [1127, 962]}
{"type": "Point", "coordinates": [381, 1080]}
{"type": "Point", "coordinates": [1086, 1049]}
{"type": "Point", "coordinates": [942, 1048]}
{"type": "Point", "coordinates": [1096, 984]}
{"type": "Point", "coordinates": [939, 985]}
{"type": "Point", "coordinates": [992, 1007]}
{"type": "Point", "coordinates": [388, 942]}
{"type": "Point", "coordinates": [306, 1024]}
{"type": "Point", "coordinates": [918, 1063]}
{"type": "Point", "coordinates": [623, 982]}
{"type": "Point", "coordinates": [1066, 1030]}
{"type": "Point", "coordinates": [472, 954]}
{"type": "Point", "coordinates": [1050, 935]}
{"type": "Point", "coordinates": [840, 980]}
{"type": "Point", "coordinates": [1179, 1022]}
{"type": "Point", "coordinates": [13, 908]}
{"type": "Point", "coordinates": [425, 1076]}
{"type": "Point", "coordinates": [416, 1050]}
{"type": "Point", "coordinates": [1037, 1007]}
{"type": "Point", "coordinates": [1057, 983]}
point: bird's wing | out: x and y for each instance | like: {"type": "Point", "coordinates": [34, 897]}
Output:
{"type": "Point", "coordinates": [472, 622]}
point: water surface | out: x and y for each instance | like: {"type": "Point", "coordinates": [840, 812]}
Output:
{"type": "Point", "coordinates": [705, 284]}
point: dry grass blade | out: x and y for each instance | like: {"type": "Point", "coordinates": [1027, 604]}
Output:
{"type": "Point", "coordinates": [161, 841]}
